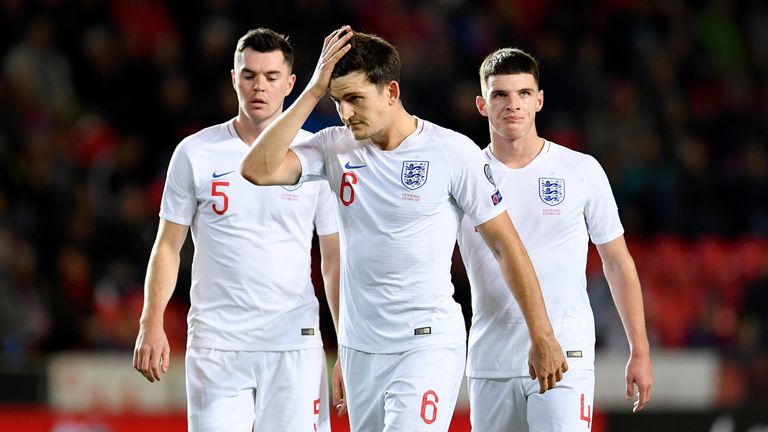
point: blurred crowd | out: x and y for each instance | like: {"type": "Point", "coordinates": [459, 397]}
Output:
{"type": "Point", "coordinates": [671, 96]}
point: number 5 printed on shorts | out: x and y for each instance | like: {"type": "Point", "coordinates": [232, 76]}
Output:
{"type": "Point", "coordinates": [316, 409]}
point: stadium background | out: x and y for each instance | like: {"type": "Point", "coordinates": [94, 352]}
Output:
{"type": "Point", "coordinates": [671, 96]}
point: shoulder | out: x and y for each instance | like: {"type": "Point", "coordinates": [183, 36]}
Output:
{"type": "Point", "coordinates": [333, 133]}
{"type": "Point", "coordinates": [323, 137]}
{"type": "Point", "coordinates": [194, 143]}
{"type": "Point", "coordinates": [335, 140]}
{"type": "Point", "coordinates": [575, 159]}
{"type": "Point", "coordinates": [454, 143]}
{"type": "Point", "coordinates": [303, 135]}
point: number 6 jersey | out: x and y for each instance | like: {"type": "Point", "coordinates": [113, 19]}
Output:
{"type": "Point", "coordinates": [398, 215]}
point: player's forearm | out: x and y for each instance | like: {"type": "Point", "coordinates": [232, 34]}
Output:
{"type": "Point", "coordinates": [502, 239]}
{"type": "Point", "coordinates": [332, 296]}
{"type": "Point", "coordinates": [330, 267]}
{"type": "Point", "coordinates": [268, 152]}
{"type": "Point", "coordinates": [521, 279]}
{"type": "Point", "coordinates": [159, 285]}
{"type": "Point", "coordinates": [625, 289]}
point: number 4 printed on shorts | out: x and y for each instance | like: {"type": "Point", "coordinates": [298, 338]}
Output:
{"type": "Point", "coordinates": [588, 416]}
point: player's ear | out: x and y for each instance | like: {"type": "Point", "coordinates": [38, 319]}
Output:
{"type": "Point", "coordinates": [540, 100]}
{"type": "Point", "coordinates": [393, 90]}
{"type": "Point", "coordinates": [234, 79]}
{"type": "Point", "coordinates": [291, 82]}
{"type": "Point", "coordinates": [480, 104]}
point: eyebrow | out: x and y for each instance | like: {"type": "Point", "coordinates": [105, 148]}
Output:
{"type": "Point", "coordinates": [345, 95]}
{"type": "Point", "coordinates": [269, 72]}
{"type": "Point", "coordinates": [496, 91]}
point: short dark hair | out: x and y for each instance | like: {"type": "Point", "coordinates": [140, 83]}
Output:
{"type": "Point", "coordinates": [265, 40]}
{"type": "Point", "coordinates": [370, 54]}
{"type": "Point", "coordinates": [508, 61]}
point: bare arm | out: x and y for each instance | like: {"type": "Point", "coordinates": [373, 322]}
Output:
{"type": "Point", "coordinates": [329, 266]}
{"type": "Point", "coordinates": [329, 249]}
{"type": "Point", "coordinates": [151, 355]}
{"type": "Point", "coordinates": [546, 360]}
{"type": "Point", "coordinates": [269, 161]}
{"type": "Point", "coordinates": [620, 272]}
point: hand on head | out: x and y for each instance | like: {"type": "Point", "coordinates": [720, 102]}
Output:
{"type": "Point", "coordinates": [334, 47]}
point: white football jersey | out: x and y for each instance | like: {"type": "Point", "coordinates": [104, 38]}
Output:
{"type": "Point", "coordinates": [399, 213]}
{"type": "Point", "coordinates": [557, 202]}
{"type": "Point", "coordinates": [251, 286]}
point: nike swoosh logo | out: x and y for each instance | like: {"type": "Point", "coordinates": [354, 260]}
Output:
{"type": "Point", "coordinates": [348, 166]}
{"type": "Point", "coordinates": [223, 174]}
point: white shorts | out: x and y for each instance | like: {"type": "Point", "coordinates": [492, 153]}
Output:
{"type": "Point", "coordinates": [241, 391]}
{"type": "Point", "coordinates": [514, 404]}
{"type": "Point", "coordinates": [410, 391]}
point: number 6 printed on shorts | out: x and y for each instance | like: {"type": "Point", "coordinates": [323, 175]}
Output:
{"type": "Point", "coordinates": [432, 403]}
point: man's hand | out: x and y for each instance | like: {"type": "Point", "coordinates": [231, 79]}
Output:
{"type": "Point", "coordinates": [547, 363]}
{"type": "Point", "coordinates": [337, 389]}
{"type": "Point", "coordinates": [334, 47]}
{"type": "Point", "coordinates": [152, 354]}
{"type": "Point", "coordinates": [640, 374]}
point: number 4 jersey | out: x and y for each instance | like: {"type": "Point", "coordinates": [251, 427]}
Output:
{"type": "Point", "coordinates": [251, 286]}
{"type": "Point", "coordinates": [557, 202]}
{"type": "Point", "coordinates": [399, 213]}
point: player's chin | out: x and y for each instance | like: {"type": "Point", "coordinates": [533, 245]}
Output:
{"type": "Point", "coordinates": [513, 132]}
{"type": "Point", "coordinates": [360, 133]}
{"type": "Point", "coordinates": [260, 112]}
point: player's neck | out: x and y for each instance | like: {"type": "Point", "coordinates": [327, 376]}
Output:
{"type": "Point", "coordinates": [399, 128]}
{"type": "Point", "coordinates": [247, 129]}
{"type": "Point", "coordinates": [517, 153]}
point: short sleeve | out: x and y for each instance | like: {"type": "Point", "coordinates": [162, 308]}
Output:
{"type": "Point", "coordinates": [312, 157]}
{"type": "Point", "coordinates": [325, 210]}
{"type": "Point", "coordinates": [601, 212]}
{"type": "Point", "coordinates": [472, 185]}
{"type": "Point", "coordinates": [179, 202]}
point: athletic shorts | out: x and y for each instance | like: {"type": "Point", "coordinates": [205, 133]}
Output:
{"type": "Point", "coordinates": [263, 391]}
{"type": "Point", "coordinates": [514, 404]}
{"type": "Point", "coordinates": [412, 391]}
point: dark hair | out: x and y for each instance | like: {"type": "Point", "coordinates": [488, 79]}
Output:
{"type": "Point", "coordinates": [370, 54]}
{"type": "Point", "coordinates": [265, 40]}
{"type": "Point", "coordinates": [508, 61]}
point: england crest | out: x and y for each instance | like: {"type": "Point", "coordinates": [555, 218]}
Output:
{"type": "Point", "coordinates": [552, 190]}
{"type": "Point", "coordinates": [414, 174]}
